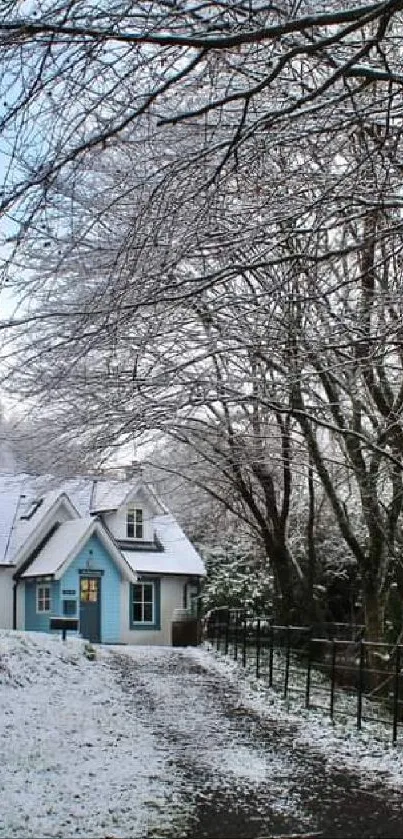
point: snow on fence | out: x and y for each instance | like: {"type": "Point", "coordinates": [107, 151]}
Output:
{"type": "Point", "coordinates": [341, 675]}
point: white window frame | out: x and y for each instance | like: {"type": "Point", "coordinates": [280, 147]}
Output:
{"type": "Point", "coordinates": [142, 584]}
{"type": "Point", "coordinates": [42, 598]}
{"type": "Point", "coordinates": [132, 511]}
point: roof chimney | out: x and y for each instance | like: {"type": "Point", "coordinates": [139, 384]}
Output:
{"type": "Point", "coordinates": [132, 470]}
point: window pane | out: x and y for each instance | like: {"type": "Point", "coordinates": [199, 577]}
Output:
{"type": "Point", "coordinates": [84, 592]}
{"type": "Point", "coordinates": [143, 603]}
{"type": "Point", "coordinates": [137, 613]}
{"type": "Point", "coordinates": [148, 593]}
{"type": "Point", "coordinates": [43, 599]}
{"type": "Point", "coordinates": [69, 607]}
{"type": "Point", "coordinates": [139, 524]}
{"type": "Point", "coordinates": [130, 524]}
{"type": "Point", "coordinates": [138, 593]}
{"type": "Point", "coordinates": [148, 612]}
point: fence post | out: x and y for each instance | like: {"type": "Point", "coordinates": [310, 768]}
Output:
{"type": "Point", "coordinates": [271, 646]}
{"type": "Point", "coordinates": [244, 641]}
{"type": "Point", "coordinates": [258, 649]}
{"type": "Point", "coordinates": [287, 663]}
{"type": "Point", "coordinates": [236, 636]}
{"type": "Point", "coordinates": [227, 633]}
{"type": "Point", "coordinates": [396, 694]}
{"type": "Point", "coordinates": [308, 673]}
{"type": "Point", "coordinates": [360, 685]}
{"type": "Point", "coordinates": [333, 678]}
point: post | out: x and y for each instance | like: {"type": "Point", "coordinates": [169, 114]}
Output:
{"type": "Point", "coordinates": [308, 674]}
{"type": "Point", "coordinates": [236, 636]}
{"type": "Point", "coordinates": [244, 641]}
{"type": "Point", "coordinates": [227, 633]}
{"type": "Point", "coordinates": [360, 686]}
{"type": "Point", "coordinates": [258, 649]}
{"type": "Point", "coordinates": [271, 647]}
{"type": "Point", "coordinates": [287, 664]}
{"type": "Point", "coordinates": [396, 694]}
{"type": "Point", "coordinates": [218, 630]}
{"type": "Point", "coordinates": [333, 678]}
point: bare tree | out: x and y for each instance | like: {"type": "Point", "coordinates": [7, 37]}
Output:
{"type": "Point", "coordinates": [207, 246]}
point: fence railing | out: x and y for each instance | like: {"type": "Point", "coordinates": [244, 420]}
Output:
{"type": "Point", "coordinates": [349, 677]}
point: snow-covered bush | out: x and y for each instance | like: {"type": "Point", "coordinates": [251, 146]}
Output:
{"type": "Point", "coordinates": [236, 577]}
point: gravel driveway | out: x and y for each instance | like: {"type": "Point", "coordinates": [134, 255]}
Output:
{"type": "Point", "coordinates": [236, 775]}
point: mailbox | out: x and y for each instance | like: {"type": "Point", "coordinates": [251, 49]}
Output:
{"type": "Point", "coordinates": [64, 624]}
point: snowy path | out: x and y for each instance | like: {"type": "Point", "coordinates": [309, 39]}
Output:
{"type": "Point", "coordinates": [159, 743]}
{"type": "Point", "coordinates": [235, 775]}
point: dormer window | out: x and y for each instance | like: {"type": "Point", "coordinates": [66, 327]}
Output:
{"type": "Point", "coordinates": [31, 508]}
{"type": "Point", "coordinates": [134, 523]}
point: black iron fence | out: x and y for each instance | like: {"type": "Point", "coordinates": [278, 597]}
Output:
{"type": "Point", "coordinates": [341, 673]}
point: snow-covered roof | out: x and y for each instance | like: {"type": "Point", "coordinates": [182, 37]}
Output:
{"type": "Point", "coordinates": [58, 548]}
{"type": "Point", "coordinates": [26, 500]}
{"type": "Point", "coordinates": [178, 556]}
{"type": "Point", "coordinates": [31, 513]}
{"type": "Point", "coordinates": [19, 492]}
{"type": "Point", "coordinates": [66, 542]}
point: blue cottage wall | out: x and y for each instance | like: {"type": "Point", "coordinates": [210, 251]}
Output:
{"type": "Point", "coordinates": [92, 557]}
{"type": "Point", "coordinates": [37, 621]}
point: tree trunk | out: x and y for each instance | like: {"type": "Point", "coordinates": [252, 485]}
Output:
{"type": "Point", "coordinates": [285, 601]}
{"type": "Point", "coordinates": [374, 611]}
{"type": "Point", "coordinates": [310, 533]}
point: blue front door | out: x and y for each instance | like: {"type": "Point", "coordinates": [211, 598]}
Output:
{"type": "Point", "coordinates": [90, 608]}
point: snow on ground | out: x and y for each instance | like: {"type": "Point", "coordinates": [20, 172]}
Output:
{"type": "Point", "coordinates": [127, 745]}
{"type": "Point", "coordinates": [133, 743]}
{"type": "Point", "coordinates": [216, 754]}
{"type": "Point", "coordinates": [74, 760]}
{"type": "Point", "coordinates": [369, 751]}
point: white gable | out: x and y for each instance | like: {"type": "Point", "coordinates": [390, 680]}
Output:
{"type": "Point", "coordinates": [64, 545]}
{"type": "Point", "coordinates": [116, 521]}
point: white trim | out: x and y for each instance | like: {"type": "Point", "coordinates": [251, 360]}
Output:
{"type": "Point", "coordinates": [143, 583]}
{"type": "Point", "coordinates": [96, 528]}
{"type": "Point", "coordinates": [135, 510]}
{"type": "Point", "coordinates": [40, 586]}
{"type": "Point", "coordinates": [156, 505]}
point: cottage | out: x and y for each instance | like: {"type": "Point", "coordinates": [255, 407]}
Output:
{"type": "Point", "coordinates": [106, 552]}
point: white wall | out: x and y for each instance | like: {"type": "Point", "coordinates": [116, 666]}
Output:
{"type": "Point", "coordinates": [21, 605]}
{"type": "Point", "coordinates": [171, 598]}
{"type": "Point", "coordinates": [117, 521]}
{"type": "Point", "coordinates": [6, 597]}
